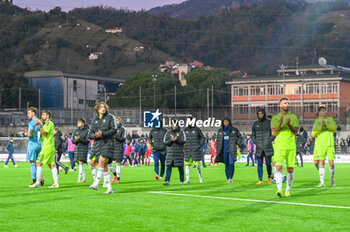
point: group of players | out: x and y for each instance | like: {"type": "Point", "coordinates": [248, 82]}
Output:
{"type": "Point", "coordinates": [274, 139]}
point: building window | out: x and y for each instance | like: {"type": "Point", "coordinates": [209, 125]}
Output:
{"type": "Point", "coordinates": [312, 88]}
{"type": "Point", "coordinates": [74, 85]}
{"type": "Point", "coordinates": [331, 106]}
{"type": "Point", "coordinates": [310, 107]}
{"type": "Point", "coordinates": [235, 91]}
{"type": "Point", "coordinates": [90, 102]}
{"type": "Point", "coordinates": [81, 101]}
{"type": "Point", "coordinates": [292, 89]}
{"type": "Point", "coordinates": [275, 89]}
{"type": "Point", "coordinates": [240, 91]}
{"type": "Point", "coordinates": [296, 107]}
{"type": "Point", "coordinates": [258, 90]}
{"type": "Point", "coordinates": [329, 87]}
{"type": "Point", "coordinates": [240, 109]}
{"type": "Point", "coordinates": [273, 108]}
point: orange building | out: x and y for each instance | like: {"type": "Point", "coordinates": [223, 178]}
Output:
{"type": "Point", "coordinates": [306, 93]}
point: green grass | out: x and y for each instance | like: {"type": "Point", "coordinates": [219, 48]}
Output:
{"type": "Point", "coordinates": [74, 207]}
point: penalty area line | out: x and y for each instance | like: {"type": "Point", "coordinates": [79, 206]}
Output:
{"type": "Point", "coordinates": [250, 200]}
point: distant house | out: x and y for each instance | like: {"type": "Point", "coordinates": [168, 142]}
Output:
{"type": "Point", "coordinates": [94, 55]}
{"type": "Point", "coordinates": [139, 49]}
{"type": "Point", "coordinates": [180, 70]}
{"type": "Point", "coordinates": [167, 67]}
{"type": "Point", "coordinates": [115, 30]}
{"type": "Point", "coordinates": [183, 69]}
{"type": "Point", "coordinates": [196, 64]}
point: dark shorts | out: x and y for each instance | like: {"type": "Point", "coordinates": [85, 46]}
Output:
{"type": "Point", "coordinates": [82, 158]}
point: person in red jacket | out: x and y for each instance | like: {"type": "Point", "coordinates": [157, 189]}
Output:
{"type": "Point", "coordinates": [213, 153]}
{"type": "Point", "coordinates": [148, 153]}
{"type": "Point", "coordinates": [128, 151]}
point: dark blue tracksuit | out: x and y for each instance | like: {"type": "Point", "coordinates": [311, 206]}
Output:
{"type": "Point", "coordinates": [10, 150]}
{"type": "Point", "coordinates": [228, 160]}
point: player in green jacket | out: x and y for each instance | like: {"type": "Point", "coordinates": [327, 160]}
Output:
{"type": "Point", "coordinates": [323, 131]}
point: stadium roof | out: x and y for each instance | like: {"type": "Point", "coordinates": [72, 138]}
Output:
{"type": "Point", "coordinates": [43, 74]}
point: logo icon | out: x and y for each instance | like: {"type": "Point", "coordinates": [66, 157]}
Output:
{"type": "Point", "coordinates": [152, 119]}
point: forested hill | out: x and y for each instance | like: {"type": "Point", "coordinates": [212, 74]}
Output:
{"type": "Point", "coordinates": [193, 9]}
{"type": "Point", "coordinates": [254, 39]}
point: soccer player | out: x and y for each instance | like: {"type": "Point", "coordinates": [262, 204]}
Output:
{"type": "Point", "coordinates": [102, 130]}
{"type": "Point", "coordinates": [142, 151]}
{"type": "Point", "coordinates": [47, 154]}
{"type": "Point", "coordinates": [174, 140]}
{"type": "Point", "coordinates": [34, 142]}
{"type": "Point", "coordinates": [10, 150]}
{"type": "Point", "coordinates": [120, 138]}
{"type": "Point", "coordinates": [156, 138]}
{"type": "Point", "coordinates": [213, 152]}
{"type": "Point", "coordinates": [228, 138]}
{"type": "Point", "coordinates": [59, 150]}
{"type": "Point", "coordinates": [148, 153]}
{"type": "Point", "coordinates": [262, 137]}
{"type": "Point", "coordinates": [323, 131]}
{"type": "Point", "coordinates": [195, 139]}
{"type": "Point", "coordinates": [285, 126]}
{"type": "Point", "coordinates": [81, 141]}
{"type": "Point", "coordinates": [128, 151]}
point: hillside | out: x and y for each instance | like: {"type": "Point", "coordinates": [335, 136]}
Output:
{"type": "Point", "coordinates": [58, 41]}
{"type": "Point", "coordinates": [254, 39]}
{"type": "Point", "coordinates": [193, 9]}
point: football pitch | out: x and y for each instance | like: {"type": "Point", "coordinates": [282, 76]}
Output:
{"type": "Point", "coordinates": [142, 203]}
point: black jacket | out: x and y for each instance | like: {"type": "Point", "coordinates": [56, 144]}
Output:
{"type": "Point", "coordinates": [81, 145]}
{"type": "Point", "coordinates": [194, 140]}
{"type": "Point", "coordinates": [300, 143]}
{"type": "Point", "coordinates": [235, 138]}
{"type": "Point", "coordinates": [108, 127]}
{"type": "Point", "coordinates": [156, 138]}
{"type": "Point", "coordinates": [119, 142]}
{"type": "Point", "coordinates": [261, 135]}
{"type": "Point", "coordinates": [59, 143]}
{"type": "Point", "coordinates": [175, 154]}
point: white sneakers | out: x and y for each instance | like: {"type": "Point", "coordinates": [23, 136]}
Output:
{"type": "Point", "coordinates": [5, 166]}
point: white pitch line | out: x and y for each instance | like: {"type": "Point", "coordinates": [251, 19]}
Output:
{"type": "Point", "coordinates": [251, 200]}
{"type": "Point", "coordinates": [262, 189]}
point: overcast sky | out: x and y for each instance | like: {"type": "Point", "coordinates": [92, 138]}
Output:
{"type": "Point", "coordinates": [67, 5]}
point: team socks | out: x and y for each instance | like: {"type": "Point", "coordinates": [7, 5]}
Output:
{"type": "Point", "coordinates": [54, 175]}
{"type": "Point", "coordinates": [39, 173]}
{"type": "Point", "coordinates": [322, 171]}
{"type": "Point", "coordinates": [107, 180]}
{"type": "Point", "coordinates": [112, 169]}
{"type": "Point", "coordinates": [199, 170]}
{"type": "Point", "coordinates": [279, 176]}
{"type": "Point", "coordinates": [188, 169]}
{"type": "Point", "coordinates": [33, 171]}
{"type": "Point", "coordinates": [98, 178]}
{"type": "Point", "coordinates": [290, 178]}
{"type": "Point", "coordinates": [332, 170]}
{"type": "Point", "coordinates": [82, 174]}
{"type": "Point", "coordinates": [93, 171]}
{"type": "Point", "coordinates": [119, 169]}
